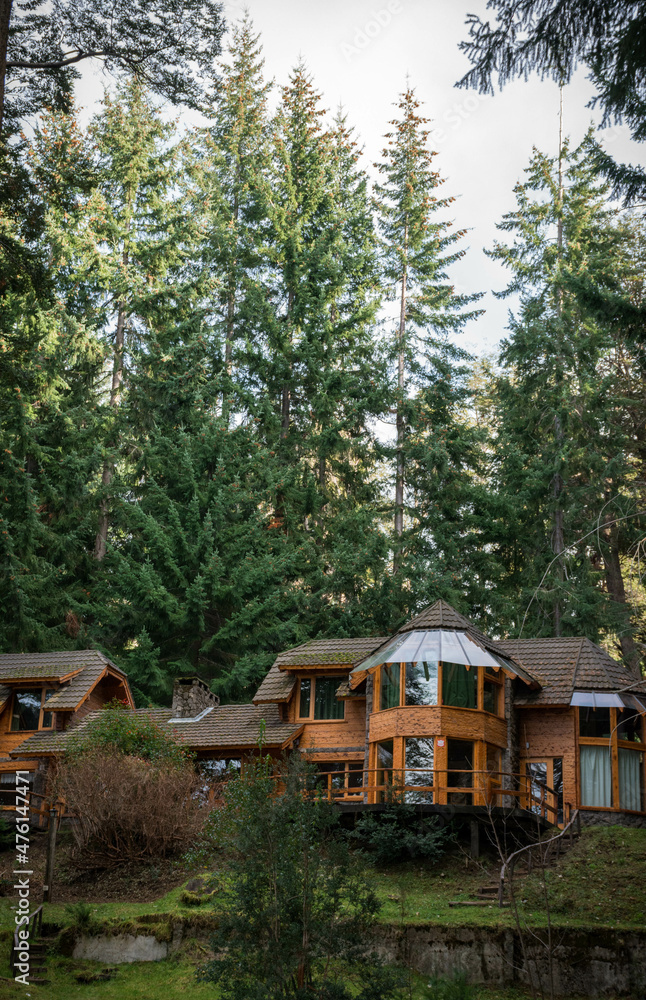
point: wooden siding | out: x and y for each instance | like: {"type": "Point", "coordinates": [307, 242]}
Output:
{"type": "Point", "coordinates": [458, 723]}
{"type": "Point", "coordinates": [551, 733]}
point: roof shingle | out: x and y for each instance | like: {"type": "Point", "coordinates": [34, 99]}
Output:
{"type": "Point", "coordinates": [277, 687]}
{"type": "Point", "coordinates": [563, 665]}
{"type": "Point", "coordinates": [328, 652]}
{"type": "Point", "coordinates": [85, 665]}
{"type": "Point", "coordinates": [224, 726]}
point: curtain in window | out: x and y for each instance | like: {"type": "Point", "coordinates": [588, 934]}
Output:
{"type": "Point", "coordinates": [630, 779]}
{"type": "Point", "coordinates": [596, 776]}
{"type": "Point", "coordinates": [459, 685]}
{"type": "Point", "coordinates": [326, 703]}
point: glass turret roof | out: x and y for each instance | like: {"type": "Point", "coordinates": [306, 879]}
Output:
{"type": "Point", "coordinates": [432, 645]}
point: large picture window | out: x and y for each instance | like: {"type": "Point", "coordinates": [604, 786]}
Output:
{"type": "Point", "coordinates": [318, 700]}
{"type": "Point", "coordinates": [421, 683]}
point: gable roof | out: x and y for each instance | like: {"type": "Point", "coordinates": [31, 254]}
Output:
{"type": "Point", "coordinates": [328, 652]}
{"type": "Point", "coordinates": [223, 727]}
{"type": "Point", "coordinates": [563, 665]}
{"type": "Point", "coordinates": [83, 668]}
{"type": "Point", "coordinates": [277, 687]}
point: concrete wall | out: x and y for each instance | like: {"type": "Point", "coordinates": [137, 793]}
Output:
{"type": "Point", "coordinates": [585, 962]}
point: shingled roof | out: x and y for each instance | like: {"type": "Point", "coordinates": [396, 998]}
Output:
{"type": "Point", "coordinates": [223, 727]}
{"type": "Point", "coordinates": [276, 687]}
{"type": "Point", "coordinates": [441, 615]}
{"type": "Point", "coordinates": [563, 665]}
{"type": "Point", "coordinates": [83, 668]}
{"type": "Point", "coordinates": [328, 652]}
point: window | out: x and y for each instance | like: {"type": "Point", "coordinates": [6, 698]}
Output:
{"type": "Point", "coordinates": [596, 775]}
{"type": "Point", "coordinates": [389, 686]}
{"type": "Point", "coordinates": [384, 762]}
{"type": "Point", "coordinates": [344, 777]}
{"type": "Point", "coordinates": [631, 780]}
{"type": "Point", "coordinates": [491, 695]}
{"type": "Point", "coordinates": [595, 723]}
{"type": "Point", "coordinates": [629, 726]}
{"type": "Point", "coordinates": [460, 770]}
{"type": "Point", "coordinates": [419, 755]}
{"type": "Point", "coordinates": [421, 682]}
{"type": "Point", "coordinates": [318, 700]}
{"type": "Point", "coordinates": [459, 685]}
{"type": "Point", "coordinates": [28, 711]}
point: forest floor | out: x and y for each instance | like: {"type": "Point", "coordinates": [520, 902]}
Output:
{"type": "Point", "coordinates": [600, 883]}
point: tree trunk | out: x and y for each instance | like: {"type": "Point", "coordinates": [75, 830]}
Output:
{"type": "Point", "coordinates": [616, 589]}
{"type": "Point", "coordinates": [101, 540]}
{"type": "Point", "coordinates": [558, 540]}
{"type": "Point", "coordinates": [231, 308]}
{"type": "Point", "coordinates": [400, 427]}
{"type": "Point", "coordinates": [286, 399]}
{"type": "Point", "coordinates": [5, 21]}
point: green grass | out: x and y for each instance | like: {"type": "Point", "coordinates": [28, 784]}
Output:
{"type": "Point", "coordinates": [174, 979]}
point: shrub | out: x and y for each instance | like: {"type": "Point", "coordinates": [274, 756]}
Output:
{"type": "Point", "coordinates": [398, 833]}
{"type": "Point", "coordinates": [128, 808]}
{"type": "Point", "coordinates": [294, 909]}
{"type": "Point", "coordinates": [119, 728]}
{"type": "Point", "coordinates": [81, 918]}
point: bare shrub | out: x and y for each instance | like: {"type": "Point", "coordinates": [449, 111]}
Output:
{"type": "Point", "coordinates": [126, 808]}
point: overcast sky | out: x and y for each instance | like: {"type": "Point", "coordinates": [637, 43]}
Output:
{"type": "Point", "coordinates": [360, 52]}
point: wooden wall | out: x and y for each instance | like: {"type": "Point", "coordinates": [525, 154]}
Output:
{"type": "Point", "coordinates": [551, 732]}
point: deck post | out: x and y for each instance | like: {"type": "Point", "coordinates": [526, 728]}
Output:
{"type": "Point", "coordinates": [475, 838]}
{"type": "Point", "coordinates": [51, 848]}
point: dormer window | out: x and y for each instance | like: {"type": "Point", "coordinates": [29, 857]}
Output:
{"type": "Point", "coordinates": [29, 712]}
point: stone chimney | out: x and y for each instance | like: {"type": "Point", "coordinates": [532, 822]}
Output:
{"type": "Point", "coordinates": [190, 697]}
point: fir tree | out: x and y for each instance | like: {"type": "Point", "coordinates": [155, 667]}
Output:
{"type": "Point", "coordinates": [562, 451]}
{"type": "Point", "coordinates": [417, 250]}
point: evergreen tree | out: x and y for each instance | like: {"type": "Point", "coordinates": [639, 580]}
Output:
{"type": "Point", "coordinates": [418, 248]}
{"type": "Point", "coordinates": [562, 452]}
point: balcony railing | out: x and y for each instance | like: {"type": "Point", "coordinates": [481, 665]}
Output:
{"type": "Point", "coordinates": [436, 787]}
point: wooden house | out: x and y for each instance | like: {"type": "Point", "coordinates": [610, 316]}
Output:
{"type": "Point", "coordinates": [438, 714]}
{"type": "Point", "coordinates": [42, 694]}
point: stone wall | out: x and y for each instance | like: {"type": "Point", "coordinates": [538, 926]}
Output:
{"type": "Point", "coordinates": [594, 817]}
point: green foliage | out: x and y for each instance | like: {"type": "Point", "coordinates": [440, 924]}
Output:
{"type": "Point", "coordinates": [119, 729]}
{"type": "Point", "coordinates": [398, 832]}
{"type": "Point", "coordinates": [456, 988]}
{"type": "Point", "coordinates": [297, 901]}
{"type": "Point", "coordinates": [81, 918]}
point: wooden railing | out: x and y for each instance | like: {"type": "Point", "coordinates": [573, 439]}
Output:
{"type": "Point", "coordinates": [39, 806]}
{"type": "Point", "coordinates": [439, 787]}
{"type": "Point", "coordinates": [35, 929]}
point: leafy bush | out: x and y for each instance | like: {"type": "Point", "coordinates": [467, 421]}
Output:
{"type": "Point", "coordinates": [297, 902]}
{"type": "Point", "coordinates": [128, 808]}
{"type": "Point", "coordinates": [119, 728]}
{"type": "Point", "coordinates": [398, 833]}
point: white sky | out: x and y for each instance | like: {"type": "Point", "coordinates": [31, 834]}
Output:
{"type": "Point", "coordinates": [359, 53]}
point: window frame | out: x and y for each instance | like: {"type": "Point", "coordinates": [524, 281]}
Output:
{"type": "Point", "coordinates": [484, 673]}
{"type": "Point", "coordinates": [312, 679]}
{"type": "Point", "coordinates": [44, 692]}
{"type": "Point", "coordinates": [612, 744]}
